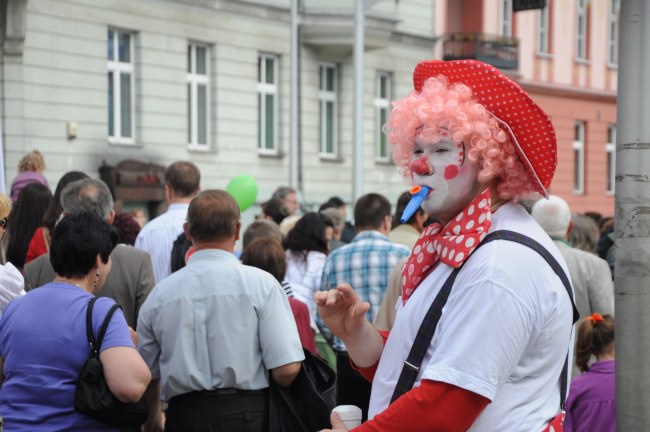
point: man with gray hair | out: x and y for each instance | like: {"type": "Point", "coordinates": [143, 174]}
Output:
{"type": "Point", "coordinates": [288, 197]}
{"type": "Point", "coordinates": [590, 274]}
{"type": "Point", "coordinates": [131, 278]}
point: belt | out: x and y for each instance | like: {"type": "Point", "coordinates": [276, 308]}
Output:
{"type": "Point", "coordinates": [229, 391]}
{"type": "Point", "coordinates": [215, 394]}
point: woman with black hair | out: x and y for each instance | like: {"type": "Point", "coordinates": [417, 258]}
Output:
{"type": "Point", "coordinates": [43, 343]}
{"type": "Point", "coordinates": [307, 247]}
{"type": "Point", "coordinates": [42, 238]}
{"type": "Point", "coordinates": [25, 217]}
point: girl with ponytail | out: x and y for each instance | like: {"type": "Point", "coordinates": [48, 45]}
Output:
{"type": "Point", "coordinates": [592, 397]}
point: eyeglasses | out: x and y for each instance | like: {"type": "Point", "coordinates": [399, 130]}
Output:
{"type": "Point", "coordinates": [3, 223]}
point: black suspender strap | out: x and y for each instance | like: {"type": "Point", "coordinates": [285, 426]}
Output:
{"type": "Point", "coordinates": [428, 327]}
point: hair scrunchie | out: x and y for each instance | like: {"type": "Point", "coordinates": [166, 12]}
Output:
{"type": "Point", "coordinates": [595, 318]}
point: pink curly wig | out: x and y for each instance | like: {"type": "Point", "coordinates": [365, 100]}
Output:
{"type": "Point", "coordinates": [440, 105]}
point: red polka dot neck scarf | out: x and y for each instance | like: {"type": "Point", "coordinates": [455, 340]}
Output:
{"type": "Point", "coordinates": [451, 244]}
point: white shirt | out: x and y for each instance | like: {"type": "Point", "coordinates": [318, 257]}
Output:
{"type": "Point", "coordinates": [216, 323]}
{"type": "Point", "coordinates": [305, 277]}
{"type": "Point", "coordinates": [504, 332]}
{"type": "Point", "coordinates": [157, 238]}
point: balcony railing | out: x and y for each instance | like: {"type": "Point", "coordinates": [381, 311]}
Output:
{"type": "Point", "coordinates": [499, 51]}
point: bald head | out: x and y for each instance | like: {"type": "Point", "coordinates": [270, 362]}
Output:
{"type": "Point", "coordinates": [553, 215]}
{"type": "Point", "coordinates": [213, 216]}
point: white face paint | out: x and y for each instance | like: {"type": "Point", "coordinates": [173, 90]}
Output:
{"type": "Point", "coordinates": [452, 177]}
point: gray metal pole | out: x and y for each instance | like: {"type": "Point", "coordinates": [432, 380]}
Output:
{"type": "Point", "coordinates": [357, 154]}
{"type": "Point", "coordinates": [293, 128]}
{"type": "Point", "coordinates": [632, 270]}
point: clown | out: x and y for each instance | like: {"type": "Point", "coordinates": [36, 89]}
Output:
{"type": "Point", "coordinates": [476, 143]}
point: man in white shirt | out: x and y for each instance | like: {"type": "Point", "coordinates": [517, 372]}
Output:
{"type": "Point", "coordinates": [182, 183]}
{"type": "Point", "coordinates": [213, 343]}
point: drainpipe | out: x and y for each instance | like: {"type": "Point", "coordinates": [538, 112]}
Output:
{"type": "Point", "coordinates": [293, 131]}
{"type": "Point", "coordinates": [357, 150]}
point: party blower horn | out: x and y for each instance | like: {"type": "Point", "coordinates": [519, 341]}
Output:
{"type": "Point", "coordinates": [418, 194]}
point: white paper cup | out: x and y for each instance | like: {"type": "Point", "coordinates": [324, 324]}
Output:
{"type": "Point", "coordinates": [350, 415]}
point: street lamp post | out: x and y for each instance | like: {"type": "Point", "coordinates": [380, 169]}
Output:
{"type": "Point", "coordinates": [632, 198]}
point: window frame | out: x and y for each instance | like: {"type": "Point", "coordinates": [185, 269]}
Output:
{"type": "Point", "coordinates": [543, 30]}
{"type": "Point", "coordinates": [578, 147]}
{"type": "Point", "coordinates": [581, 38]}
{"type": "Point", "coordinates": [118, 68]}
{"type": "Point", "coordinates": [265, 89]}
{"type": "Point", "coordinates": [382, 104]}
{"type": "Point", "coordinates": [610, 149]}
{"type": "Point", "coordinates": [325, 97]}
{"type": "Point", "coordinates": [194, 79]}
{"type": "Point", "coordinates": [613, 30]}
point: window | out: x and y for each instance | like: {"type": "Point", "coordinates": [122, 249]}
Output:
{"type": "Point", "coordinates": [267, 90]}
{"type": "Point", "coordinates": [505, 18]}
{"type": "Point", "coordinates": [610, 148]}
{"type": "Point", "coordinates": [613, 32]}
{"type": "Point", "coordinates": [581, 31]}
{"type": "Point", "coordinates": [579, 158]}
{"type": "Point", "coordinates": [121, 99]}
{"type": "Point", "coordinates": [382, 110]}
{"type": "Point", "coordinates": [328, 110]}
{"type": "Point", "coordinates": [543, 31]}
{"type": "Point", "coordinates": [198, 97]}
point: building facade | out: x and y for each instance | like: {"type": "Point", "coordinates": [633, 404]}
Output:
{"type": "Point", "coordinates": [96, 82]}
{"type": "Point", "coordinates": [565, 56]}
{"type": "Point", "coordinates": [92, 83]}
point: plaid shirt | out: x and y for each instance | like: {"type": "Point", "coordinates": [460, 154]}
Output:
{"type": "Point", "coordinates": [366, 264]}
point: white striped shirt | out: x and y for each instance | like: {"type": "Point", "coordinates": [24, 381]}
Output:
{"type": "Point", "coordinates": [157, 238]}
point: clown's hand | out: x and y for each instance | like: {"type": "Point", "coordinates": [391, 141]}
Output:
{"type": "Point", "coordinates": [342, 310]}
{"type": "Point", "coordinates": [337, 424]}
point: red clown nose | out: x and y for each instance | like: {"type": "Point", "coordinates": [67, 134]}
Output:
{"type": "Point", "coordinates": [421, 167]}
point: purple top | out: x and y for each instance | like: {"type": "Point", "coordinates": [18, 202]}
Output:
{"type": "Point", "coordinates": [43, 343]}
{"type": "Point", "coordinates": [591, 404]}
{"type": "Point", "coordinates": [23, 179]}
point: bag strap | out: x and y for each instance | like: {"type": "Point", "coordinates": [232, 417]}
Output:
{"type": "Point", "coordinates": [428, 327]}
{"type": "Point", "coordinates": [95, 344]}
{"type": "Point", "coordinates": [89, 325]}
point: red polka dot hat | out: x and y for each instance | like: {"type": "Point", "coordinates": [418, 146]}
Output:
{"type": "Point", "coordinates": [529, 126]}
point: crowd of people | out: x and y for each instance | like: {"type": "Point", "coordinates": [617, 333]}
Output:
{"type": "Point", "coordinates": [205, 323]}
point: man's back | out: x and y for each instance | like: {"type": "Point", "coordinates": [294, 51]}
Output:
{"type": "Point", "coordinates": [591, 280]}
{"type": "Point", "coordinates": [366, 263]}
{"type": "Point", "coordinates": [592, 284]}
{"type": "Point", "coordinates": [129, 282]}
{"type": "Point", "coordinates": [217, 324]}
{"type": "Point", "coordinates": [157, 238]}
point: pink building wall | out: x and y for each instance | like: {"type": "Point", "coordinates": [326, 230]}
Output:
{"type": "Point", "coordinates": [567, 88]}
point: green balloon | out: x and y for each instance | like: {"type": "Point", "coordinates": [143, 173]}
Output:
{"type": "Point", "coordinates": [244, 189]}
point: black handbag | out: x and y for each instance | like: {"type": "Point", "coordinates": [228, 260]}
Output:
{"type": "Point", "coordinates": [305, 405]}
{"type": "Point", "coordinates": [92, 396]}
